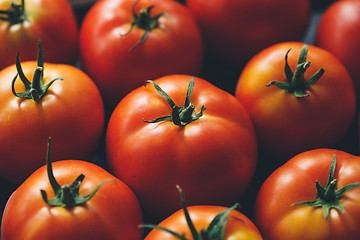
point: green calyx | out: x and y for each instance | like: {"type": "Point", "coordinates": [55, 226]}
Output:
{"type": "Point", "coordinates": [215, 230]}
{"type": "Point", "coordinates": [296, 83]}
{"type": "Point", "coordinates": [67, 195]}
{"type": "Point", "coordinates": [180, 116]}
{"type": "Point", "coordinates": [329, 196]}
{"type": "Point", "coordinates": [145, 21]}
{"type": "Point", "coordinates": [15, 13]}
{"type": "Point", "coordinates": [36, 89]}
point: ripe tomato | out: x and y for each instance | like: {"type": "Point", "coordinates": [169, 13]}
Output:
{"type": "Point", "coordinates": [309, 112]}
{"type": "Point", "coordinates": [235, 30]}
{"type": "Point", "coordinates": [71, 111]}
{"type": "Point", "coordinates": [114, 56]}
{"type": "Point", "coordinates": [113, 212]}
{"type": "Point", "coordinates": [302, 200]}
{"type": "Point", "coordinates": [338, 32]}
{"type": "Point", "coordinates": [22, 23]}
{"type": "Point", "coordinates": [210, 152]}
{"type": "Point", "coordinates": [205, 222]}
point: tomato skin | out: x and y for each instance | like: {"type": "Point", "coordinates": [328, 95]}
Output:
{"type": "Point", "coordinates": [238, 227]}
{"type": "Point", "coordinates": [71, 112]}
{"type": "Point", "coordinates": [235, 30]}
{"type": "Point", "coordinates": [213, 158]}
{"type": "Point", "coordinates": [294, 182]}
{"type": "Point", "coordinates": [113, 213]}
{"type": "Point", "coordinates": [287, 125]}
{"type": "Point", "coordinates": [338, 32]}
{"type": "Point", "coordinates": [105, 47]}
{"type": "Point", "coordinates": [53, 21]}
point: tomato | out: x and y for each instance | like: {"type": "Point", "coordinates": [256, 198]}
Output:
{"type": "Point", "coordinates": [235, 30]}
{"type": "Point", "coordinates": [338, 32]}
{"type": "Point", "coordinates": [22, 23]}
{"type": "Point", "coordinates": [123, 43]}
{"type": "Point", "coordinates": [95, 205]}
{"type": "Point", "coordinates": [70, 111]}
{"type": "Point", "coordinates": [205, 222]}
{"type": "Point", "coordinates": [208, 146]}
{"type": "Point", "coordinates": [297, 110]}
{"type": "Point", "coordinates": [315, 195]}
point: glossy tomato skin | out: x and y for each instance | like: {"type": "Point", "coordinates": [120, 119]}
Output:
{"type": "Point", "coordinates": [213, 158]}
{"type": "Point", "coordinates": [235, 30]}
{"type": "Point", "coordinates": [53, 21]}
{"type": "Point", "coordinates": [287, 125]}
{"type": "Point", "coordinates": [238, 227]}
{"type": "Point", "coordinates": [294, 182]}
{"type": "Point", "coordinates": [113, 213]}
{"type": "Point", "coordinates": [71, 112]}
{"type": "Point", "coordinates": [174, 46]}
{"type": "Point", "coordinates": [338, 32]}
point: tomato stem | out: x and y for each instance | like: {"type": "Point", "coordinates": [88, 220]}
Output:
{"type": "Point", "coordinates": [15, 13]}
{"type": "Point", "coordinates": [329, 196]}
{"type": "Point", "coordinates": [145, 21]}
{"type": "Point", "coordinates": [36, 89]}
{"type": "Point", "coordinates": [296, 83]}
{"type": "Point", "coordinates": [67, 195]}
{"type": "Point", "coordinates": [180, 116]}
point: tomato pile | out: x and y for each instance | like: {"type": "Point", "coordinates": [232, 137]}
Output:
{"type": "Point", "coordinates": [193, 119]}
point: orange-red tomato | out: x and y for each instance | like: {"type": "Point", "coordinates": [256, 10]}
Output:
{"type": "Point", "coordinates": [213, 157]}
{"type": "Point", "coordinates": [338, 32]}
{"type": "Point", "coordinates": [295, 182]}
{"type": "Point", "coordinates": [307, 114]}
{"type": "Point", "coordinates": [238, 227]}
{"type": "Point", "coordinates": [53, 21]}
{"type": "Point", "coordinates": [71, 112]}
{"type": "Point", "coordinates": [109, 34]}
{"type": "Point", "coordinates": [112, 213]}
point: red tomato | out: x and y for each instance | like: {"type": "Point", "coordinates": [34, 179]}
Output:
{"type": "Point", "coordinates": [71, 112]}
{"type": "Point", "coordinates": [212, 153]}
{"type": "Point", "coordinates": [110, 32]}
{"type": "Point", "coordinates": [285, 207]}
{"type": "Point", "coordinates": [308, 114]}
{"type": "Point", "coordinates": [338, 32]}
{"type": "Point", "coordinates": [51, 20]}
{"type": "Point", "coordinates": [205, 222]}
{"type": "Point", "coordinates": [112, 213]}
{"type": "Point", "coordinates": [235, 30]}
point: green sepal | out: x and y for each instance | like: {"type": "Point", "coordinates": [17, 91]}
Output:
{"type": "Point", "coordinates": [144, 21]}
{"type": "Point", "coordinates": [15, 13]}
{"type": "Point", "coordinates": [296, 83]}
{"type": "Point", "coordinates": [36, 89]}
{"type": "Point", "coordinates": [180, 116]}
{"type": "Point", "coordinates": [215, 230]}
{"type": "Point", "coordinates": [67, 195]}
{"type": "Point", "coordinates": [329, 196]}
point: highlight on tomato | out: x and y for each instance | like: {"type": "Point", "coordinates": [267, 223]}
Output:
{"type": "Point", "coordinates": [315, 195]}
{"type": "Point", "coordinates": [204, 222]}
{"type": "Point", "coordinates": [123, 43]}
{"type": "Point", "coordinates": [22, 23]}
{"type": "Point", "coordinates": [299, 97]}
{"type": "Point", "coordinates": [38, 100]}
{"type": "Point", "coordinates": [181, 130]}
{"type": "Point", "coordinates": [71, 199]}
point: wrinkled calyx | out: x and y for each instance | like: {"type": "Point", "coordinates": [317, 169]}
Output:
{"type": "Point", "coordinates": [180, 116]}
{"type": "Point", "coordinates": [329, 196]}
{"type": "Point", "coordinates": [215, 230]}
{"type": "Point", "coordinates": [15, 13]}
{"type": "Point", "coordinates": [36, 89]}
{"type": "Point", "coordinates": [67, 195]}
{"type": "Point", "coordinates": [145, 21]}
{"type": "Point", "coordinates": [296, 83]}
